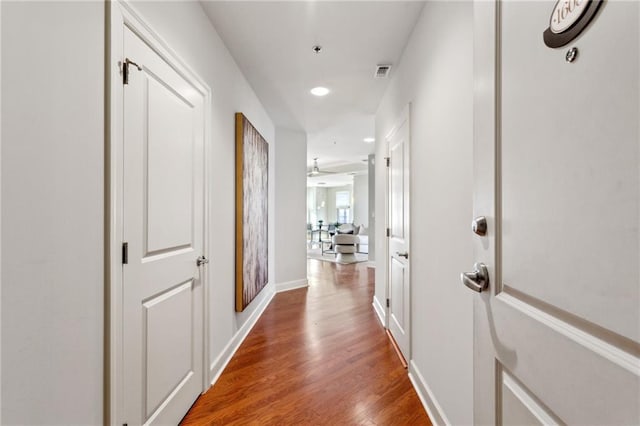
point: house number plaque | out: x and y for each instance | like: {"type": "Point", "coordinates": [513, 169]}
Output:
{"type": "Point", "coordinates": [568, 19]}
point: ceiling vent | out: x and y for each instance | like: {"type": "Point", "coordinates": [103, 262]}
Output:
{"type": "Point", "coordinates": [382, 71]}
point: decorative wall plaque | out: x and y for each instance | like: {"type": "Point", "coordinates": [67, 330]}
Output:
{"type": "Point", "coordinates": [568, 19]}
{"type": "Point", "coordinates": [252, 199]}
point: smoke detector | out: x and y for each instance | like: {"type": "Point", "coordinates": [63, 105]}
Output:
{"type": "Point", "coordinates": [382, 71]}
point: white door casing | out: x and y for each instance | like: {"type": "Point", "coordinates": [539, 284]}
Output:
{"type": "Point", "coordinates": [399, 287]}
{"type": "Point", "coordinates": [157, 349]}
{"type": "Point", "coordinates": [556, 155]}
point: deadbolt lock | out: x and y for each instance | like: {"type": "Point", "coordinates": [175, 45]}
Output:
{"type": "Point", "coordinates": [479, 226]}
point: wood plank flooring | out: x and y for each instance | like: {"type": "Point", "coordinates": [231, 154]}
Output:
{"type": "Point", "coordinates": [317, 356]}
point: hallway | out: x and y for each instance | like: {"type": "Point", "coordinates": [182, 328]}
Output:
{"type": "Point", "coordinates": [316, 356]}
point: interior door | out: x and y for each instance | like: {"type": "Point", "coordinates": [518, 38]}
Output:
{"type": "Point", "coordinates": [163, 227]}
{"type": "Point", "coordinates": [399, 277]}
{"type": "Point", "coordinates": [556, 151]}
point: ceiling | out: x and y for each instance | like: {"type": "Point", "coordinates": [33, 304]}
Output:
{"type": "Point", "coordinates": [272, 42]}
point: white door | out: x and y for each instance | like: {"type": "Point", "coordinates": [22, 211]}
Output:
{"type": "Point", "coordinates": [557, 331]}
{"type": "Point", "coordinates": [163, 227]}
{"type": "Point", "coordinates": [399, 278]}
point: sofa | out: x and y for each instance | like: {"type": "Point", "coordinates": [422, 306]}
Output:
{"type": "Point", "coordinates": [363, 243]}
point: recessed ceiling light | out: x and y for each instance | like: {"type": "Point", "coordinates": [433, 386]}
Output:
{"type": "Point", "coordinates": [319, 91]}
{"type": "Point", "coordinates": [369, 140]}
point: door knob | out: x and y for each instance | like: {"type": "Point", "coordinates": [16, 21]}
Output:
{"type": "Point", "coordinates": [202, 260]}
{"type": "Point", "coordinates": [405, 254]}
{"type": "Point", "coordinates": [477, 280]}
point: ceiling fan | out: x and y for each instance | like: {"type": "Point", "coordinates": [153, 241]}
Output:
{"type": "Point", "coordinates": [315, 170]}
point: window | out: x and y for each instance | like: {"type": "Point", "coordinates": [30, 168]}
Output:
{"type": "Point", "coordinates": [344, 215]}
{"type": "Point", "coordinates": [343, 206]}
{"type": "Point", "coordinates": [343, 199]}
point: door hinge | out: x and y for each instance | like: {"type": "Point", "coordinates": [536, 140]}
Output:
{"type": "Point", "coordinates": [388, 232]}
{"type": "Point", "coordinates": [387, 302]}
{"type": "Point", "coordinates": [125, 253]}
{"type": "Point", "coordinates": [388, 160]}
{"type": "Point", "coordinates": [125, 70]}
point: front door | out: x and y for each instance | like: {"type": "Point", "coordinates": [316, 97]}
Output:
{"type": "Point", "coordinates": [556, 151]}
{"type": "Point", "coordinates": [399, 278]}
{"type": "Point", "coordinates": [163, 227]}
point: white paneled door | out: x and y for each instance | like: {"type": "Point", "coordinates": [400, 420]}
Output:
{"type": "Point", "coordinates": [556, 154]}
{"type": "Point", "coordinates": [163, 227]}
{"type": "Point", "coordinates": [399, 291]}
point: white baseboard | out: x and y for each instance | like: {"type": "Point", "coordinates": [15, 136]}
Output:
{"type": "Point", "coordinates": [426, 396]}
{"type": "Point", "coordinates": [377, 306]}
{"type": "Point", "coordinates": [292, 285]}
{"type": "Point", "coordinates": [219, 364]}
{"type": "Point", "coordinates": [371, 264]}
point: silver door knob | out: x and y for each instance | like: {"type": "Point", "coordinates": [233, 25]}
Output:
{"type": "Point", "coordinates": [477, 280]}
{"type": "Point", "coordinates": [202, 260]}
{"type": "Point", "coordinates": [479, 226]}
{"type": "Point", "coordinates": [405, 254]}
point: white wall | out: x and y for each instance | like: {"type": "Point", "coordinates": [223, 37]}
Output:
{"type": "Point", "coordinates": [290, 202]}
{"type": "Point", "coordinates": [321, 205]}
{"type": "Point", "coordinates": [435, 74]}
{"type": "Point", "coordinates": [311, 205]}
{"type": "Point", "coordinates": [0, 213]}
{"type": "Point", "coordinates": [53, 199]}
{"type": "Point", "coordinates": [186, 28]}
{"type": "Point", "coordinates": [361, 200]}
{"type": "Point", "coordinates": [52, 212]}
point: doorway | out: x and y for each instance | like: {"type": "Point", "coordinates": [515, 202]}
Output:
{"type": "Point", "coordinates": [398, 236]}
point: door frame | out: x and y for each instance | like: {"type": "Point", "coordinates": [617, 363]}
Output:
{"type": "Point", "coordinates": [120, 14]}
{"type": "Point", "coordinates": [486, 178]}
{"type": "Point", "coordinates": [404, 117]}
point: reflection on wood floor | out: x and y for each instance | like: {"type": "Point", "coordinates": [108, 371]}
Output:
{"type": "Point", "coordinates": [317, 356]}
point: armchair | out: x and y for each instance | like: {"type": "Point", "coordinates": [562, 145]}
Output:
{"type": "Point", "coordinates": [344, 245]}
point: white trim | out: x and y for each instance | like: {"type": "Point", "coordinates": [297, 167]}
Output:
{"type": "Point", "coordinates": [292, 285]}
{"type": "Point", "coordinates": [538, 411]}
{"type": "Point", "coordinates": [113, 217]}
{"type": "Point", "coordinates": [380, 310]}
{"type": "Point", "coordinates": [0, 218]}
{"type": "Point", "coordinates": [606, 350]}
{"type": "Point", "coordinates": [219, 364]}
{"type": "Point", "coordinates": [120, 14]}
{"type": "Point", "coordinates": [434, 410]}
{"type": "Point", "coordinates": [387, 226]}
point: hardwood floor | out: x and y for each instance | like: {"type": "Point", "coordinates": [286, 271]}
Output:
{"type": "Point", "coordinates": [317, 356]}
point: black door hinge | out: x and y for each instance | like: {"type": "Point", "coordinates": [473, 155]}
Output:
{"type": "Point", "coordinates": [388, 160]}
{"type": "Point", "coordinates": [125, 253]}
{"type": "Point", "coordinates": [387, 302]}
{"type": "Point", "coordinates": [125, 70]}
{"type": "Point", "coordinates": [388, 232]}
